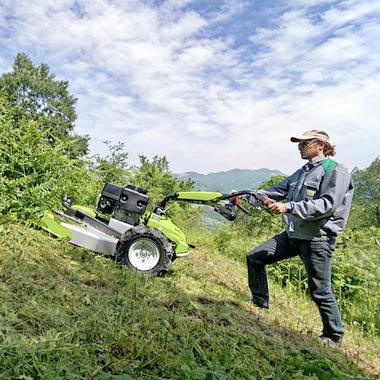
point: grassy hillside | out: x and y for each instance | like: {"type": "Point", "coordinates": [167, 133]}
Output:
{"type": "Point", "coordinates": [70, 314]}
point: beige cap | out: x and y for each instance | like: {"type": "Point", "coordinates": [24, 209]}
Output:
{"type": "Point", "coordinates": [313, 134]}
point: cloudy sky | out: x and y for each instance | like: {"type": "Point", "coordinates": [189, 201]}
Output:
{"type": "Point", "coordinates": [211, 84]}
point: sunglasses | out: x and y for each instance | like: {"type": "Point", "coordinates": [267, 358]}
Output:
{"type": "Point", "coordinates": [304, 144]}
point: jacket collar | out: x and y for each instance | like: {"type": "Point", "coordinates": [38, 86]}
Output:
{"type": "Point", "coordinates": [314, 162]}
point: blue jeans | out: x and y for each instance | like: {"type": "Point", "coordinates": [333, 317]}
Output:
{"type": "Point", "coordinates": [316, 257]}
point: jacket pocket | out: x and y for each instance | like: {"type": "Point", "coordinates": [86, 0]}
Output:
{"type": "Point", "coordinates": [311, 189]}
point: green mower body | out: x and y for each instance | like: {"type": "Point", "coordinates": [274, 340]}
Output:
{"type": "Point", "coordinates": [122, 227]}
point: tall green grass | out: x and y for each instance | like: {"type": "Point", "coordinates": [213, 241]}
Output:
{"type": "Point", "coordinates": [67, 313]}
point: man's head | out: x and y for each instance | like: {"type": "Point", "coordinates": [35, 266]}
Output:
{"type": "Point", "coordinates": [314, 143]}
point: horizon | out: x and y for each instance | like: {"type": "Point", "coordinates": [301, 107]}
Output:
{"type": "Point", "coordinates": [229, 170]}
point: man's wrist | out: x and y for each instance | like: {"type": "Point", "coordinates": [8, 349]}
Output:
{"type": "Point", "coordinates": [289, 206]}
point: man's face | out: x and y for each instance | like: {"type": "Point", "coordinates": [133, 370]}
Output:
{"type": "Point", "coordinates": [310, 149]}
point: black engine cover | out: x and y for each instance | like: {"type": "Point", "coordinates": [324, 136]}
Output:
{"type": "Point", "coordinates": [126, 204]}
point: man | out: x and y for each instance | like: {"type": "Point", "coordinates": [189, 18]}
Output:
{"type": "Point", "coordinates": [318, 200]}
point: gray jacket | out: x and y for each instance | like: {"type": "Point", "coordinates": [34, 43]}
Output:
{"type": "Point", "coordinates": [319, 199]}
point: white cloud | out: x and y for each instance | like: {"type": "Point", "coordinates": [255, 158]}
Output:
{"type": "Point", "coordinates": [174, 79]}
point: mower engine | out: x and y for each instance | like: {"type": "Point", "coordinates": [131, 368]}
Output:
{"type": "Point", "coordinates": [124, 204]}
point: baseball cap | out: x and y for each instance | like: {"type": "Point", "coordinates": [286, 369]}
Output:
{"type": "Point", "coordinates": [312, 134]}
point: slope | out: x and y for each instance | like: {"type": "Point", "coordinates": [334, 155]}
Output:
{"type": "Point", "coordinates": [71, 314]}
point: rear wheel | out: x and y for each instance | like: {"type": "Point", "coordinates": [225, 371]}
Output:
{"type": "Point", "coordinates": [146, 250]}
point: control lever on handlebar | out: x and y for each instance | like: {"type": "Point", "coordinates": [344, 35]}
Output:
{"type": "Point", "coordinates": [254, 198]}
{"type": "Point", "coordinates": [237, 202]}
{"type": "Point", "coordinates": [240, 207]}
{"type": "Point", "coordinates": [261, 201]}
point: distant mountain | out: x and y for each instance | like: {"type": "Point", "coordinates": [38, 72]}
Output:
{"type": "Point", "coordinates": [238, 179]}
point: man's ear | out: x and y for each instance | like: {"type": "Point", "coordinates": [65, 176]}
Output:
{"type": "Point", "coordinates": [321, 145]}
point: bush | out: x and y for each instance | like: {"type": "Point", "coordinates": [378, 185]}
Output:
{"type": "Point", "coordinates": [355, 274]}
{"type": "Point", "coordinates": [34, 174]}
{"type": "Point", "coordinates": [366, 207]}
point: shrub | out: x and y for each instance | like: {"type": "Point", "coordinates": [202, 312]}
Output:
{"type": "Point", "coordinates": [34, 174]}
{"type": "Point", "coordinates": [355, 274]}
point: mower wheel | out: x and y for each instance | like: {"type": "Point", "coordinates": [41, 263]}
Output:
{"type": "Point", "coordinates": [146, 250]}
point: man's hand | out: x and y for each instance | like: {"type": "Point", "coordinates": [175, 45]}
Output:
{"type": "Point", "coordinates": [236, 201]}
{"type": "Point", "coordinates": [277, 208]}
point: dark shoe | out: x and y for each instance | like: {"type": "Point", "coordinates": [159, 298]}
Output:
{"type": "Point", "coordinates": [260, 304]}
{"type": "Point", "coordinates": [328, 342]}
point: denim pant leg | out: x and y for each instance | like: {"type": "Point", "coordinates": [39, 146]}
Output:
{"type": "Point", "coordinates": [275, 249]}
{"type": "Point", "coordinates": [316, 256]}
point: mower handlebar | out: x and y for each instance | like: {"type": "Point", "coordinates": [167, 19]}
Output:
{"type": "Point", "coordinates": [214, 198]}
{"type": "Point", "coordinates": [165, 200]}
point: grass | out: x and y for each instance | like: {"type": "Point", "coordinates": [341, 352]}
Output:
{"type": "Point", "coordinates": [68, 313]}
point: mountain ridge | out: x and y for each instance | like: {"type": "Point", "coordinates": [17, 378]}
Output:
{"type": "Point", "coordinates": [225, 181]}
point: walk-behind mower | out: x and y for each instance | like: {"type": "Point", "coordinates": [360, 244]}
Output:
{"type": "Point", "coordinates": [121, 226]}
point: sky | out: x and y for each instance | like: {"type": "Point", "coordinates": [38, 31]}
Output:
{"type": "Point", "coordinates": [210, 84]}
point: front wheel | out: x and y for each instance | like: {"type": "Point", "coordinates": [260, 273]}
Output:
{"type": "Point", "coordinates": [146, 250]}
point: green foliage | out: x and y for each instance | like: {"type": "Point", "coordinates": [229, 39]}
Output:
{"type": "Point", "coordinates": [260, 222]}
{"type": "Point", "coordinates": [229, 242]}
{"type": "Point", "coordinates": [272, 181]}
{"type": "Point", "coordinates": [355, 274]}
{"type": "Point", "coordinates": [355, 270]}
{"type": "Point", "coordinates": [366, 209]}
{"type": "Point", "coordinates": [114, 167]}
{"type": "Point", "coordinates": [155, 176]}
{"type": "Point", "coordinates": [236, 239]}
{"type": "Point", "coordinates": [36, 95]}
{"type": "Point", "coordinates": [33, 173]}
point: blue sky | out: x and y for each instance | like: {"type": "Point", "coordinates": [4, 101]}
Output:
{"type": "Point", "coordinates": [212, 85]}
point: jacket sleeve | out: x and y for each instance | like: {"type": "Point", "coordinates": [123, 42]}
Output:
{"type": "Point", "coordinates": [280, 191]}
{"type": "Point", "coordinates": [332, 192]}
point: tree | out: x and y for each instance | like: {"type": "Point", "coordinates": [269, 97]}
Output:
{"type": "Point", "coordinates": [366, 207]}
{"type": "Point", "coordinates": [36, 95]}
{"type": "Point", "coordinates": [34, 174]}
{"type": "Point", "coordinates": [156, 177]}
{"type": "Point", "coordinates": [114, 167]}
